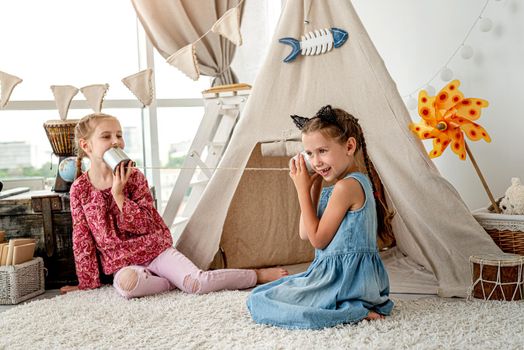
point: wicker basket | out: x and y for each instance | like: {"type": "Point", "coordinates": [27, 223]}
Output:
{"type": "Point", "coordinates": [21, 282]}
{"type": "Point", "coordinates": [61, 135]}
{"type": "Point", "coordinates": [507, 231]}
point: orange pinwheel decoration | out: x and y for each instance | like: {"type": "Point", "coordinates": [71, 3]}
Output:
{"type": "Point", "coordinates": [446, 117]}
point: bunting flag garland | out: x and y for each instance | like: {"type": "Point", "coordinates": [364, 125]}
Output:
{"type": "Point", "coordinates": [63, 96]}
{"type": "Point", "coordinates": [7, 84]}
{"type": "Point", "coordinates": [229, 26]}
{"type": "Point", "coordinates": [185, 60]}
{"type": "Point", "coordinates": [141, 85]}
{"type": "Point", "coordinates": [94, 95]}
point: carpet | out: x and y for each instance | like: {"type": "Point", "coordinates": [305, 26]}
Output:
{"type": "Point", "coordinates": [100, 319]}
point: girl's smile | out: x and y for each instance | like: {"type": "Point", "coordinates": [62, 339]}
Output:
{"type": "Point", "coordinates": [331, 159]}
{"type": "Point", "coordinates": [323, 172]}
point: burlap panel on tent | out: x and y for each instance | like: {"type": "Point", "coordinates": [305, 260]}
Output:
{"type": "Point", "coordinates": [263, 212]}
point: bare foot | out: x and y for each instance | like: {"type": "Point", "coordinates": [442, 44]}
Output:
{"type": "Point", "coordinates": [372, 315]}
{"type": "Point", "coordinates": [270, 274]}
{"type": "Point", "coordinates": [67, 289]}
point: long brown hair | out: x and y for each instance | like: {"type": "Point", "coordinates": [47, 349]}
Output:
{"type": "Point", "coordinates": [83, 130]}
{"type": "Point", "coordinates": [339, 125]}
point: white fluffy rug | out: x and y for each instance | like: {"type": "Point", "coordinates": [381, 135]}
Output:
{"type": "Point", "coordinates": [100, 319]}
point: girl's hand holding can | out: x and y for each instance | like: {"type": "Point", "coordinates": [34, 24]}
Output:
{"type": "Point", "coordinates": [299, 173]}
{"type": "Point", "coordinates": [120, 177]}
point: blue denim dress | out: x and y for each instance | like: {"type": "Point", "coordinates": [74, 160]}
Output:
{"type": "Point", "coordinates": [345, 281]}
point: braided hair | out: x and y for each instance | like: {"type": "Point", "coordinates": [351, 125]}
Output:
{"type": "Point", "coordinates": [339, 125]}
{"type": "Point", "coordinates": [83, 130]}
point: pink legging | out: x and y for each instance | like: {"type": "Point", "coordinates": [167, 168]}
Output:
{"type": "Point", "coordinates": [172, 269]}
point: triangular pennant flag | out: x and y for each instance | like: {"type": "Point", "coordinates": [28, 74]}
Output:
{"type": "Point", "coordinates": [141, 85]}
{"type": "Point", "coordinates": [185, 60]}
{"type": "Point", "coordinates": [229, 26]}
{"type": "Point", "coordinates": [63, 96]}
{"type": "Point", "coordinates": [7, 84]}
{"type": "Point", "coordinates": [94, 95]}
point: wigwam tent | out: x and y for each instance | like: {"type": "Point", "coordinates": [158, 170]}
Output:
{"type": "Point", "coordinates": [252, 217]}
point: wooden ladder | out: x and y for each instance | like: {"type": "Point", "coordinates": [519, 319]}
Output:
{"type": "Point", "coordinates": [223, 105]}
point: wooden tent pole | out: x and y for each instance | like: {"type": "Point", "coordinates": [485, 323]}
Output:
{"type": "Point", "coordinates": [484, 183]}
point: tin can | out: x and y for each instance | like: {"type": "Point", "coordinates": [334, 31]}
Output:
{"type": "Point", "coordinates": [114, 156]}
{"type": "Point", "coordinates": [310, 169]}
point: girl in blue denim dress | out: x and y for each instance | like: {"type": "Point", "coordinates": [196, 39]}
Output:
{"type": "Point", "coordinates": [347, 281]}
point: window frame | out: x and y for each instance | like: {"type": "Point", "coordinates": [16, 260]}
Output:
{"type": "Point", "coordinates": [149, 120]}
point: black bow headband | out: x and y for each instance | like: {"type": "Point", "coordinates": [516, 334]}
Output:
{"type": "Point", "coordinates": [326, 114]}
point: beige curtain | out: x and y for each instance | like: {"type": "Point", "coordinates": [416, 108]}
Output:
{"type": "Point", "coordinates": [173, 24]}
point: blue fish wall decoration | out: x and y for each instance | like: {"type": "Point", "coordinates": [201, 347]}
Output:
{"type": "Point", "coordinates": [315, 42]}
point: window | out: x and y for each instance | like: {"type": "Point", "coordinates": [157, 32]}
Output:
{"type": "Point", "coordinates": [73, 44]}
{"type": "Point", "coordinates": [64, 42]}
{"type": "Point", "coordinates": [176, 130]}
{"type": "Point", "coordinates": [82, 43]}
{"type": "Point", "coordinates": [171, 82]}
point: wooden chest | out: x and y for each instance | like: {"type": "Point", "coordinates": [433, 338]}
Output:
{"type": "Point", "coordinates": [45, 216]}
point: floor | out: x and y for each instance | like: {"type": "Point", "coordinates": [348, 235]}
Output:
{"type": "Point", "coordinates": [47, 295]}
{"type": "Point", "coordinates": [54, 292]}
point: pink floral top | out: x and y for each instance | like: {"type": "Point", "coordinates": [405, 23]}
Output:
{"type": "Point", "coordinates": [134, 236]}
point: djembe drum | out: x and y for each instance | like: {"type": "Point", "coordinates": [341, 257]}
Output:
{"type": "Point", "coordinates": [497, 277]}
{"type": "Point", "coordinates": [61, 135]}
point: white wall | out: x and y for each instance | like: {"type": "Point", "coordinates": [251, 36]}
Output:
{"type": "Point", "coordinates": [416, 38]}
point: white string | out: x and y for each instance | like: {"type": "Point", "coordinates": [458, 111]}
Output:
{"type": "Point", "coordinates": [453, 54]}
{"type": "Point", "coordinates": [213, 168]}
{"type": "Point", "coordinates": [307, 5]}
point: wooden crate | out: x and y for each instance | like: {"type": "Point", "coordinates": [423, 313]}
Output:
{"type": "Point", "coordinates": [25, 215]}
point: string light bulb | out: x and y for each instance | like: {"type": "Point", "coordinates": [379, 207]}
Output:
{"type": "Point", "coordinates": [466, 52]}
{"type": "Point", "coordinates": [446, 74]}
{"type": "Point", "coordinates": [485, 24]}
{"type": "Point", "coordinates": [430, 90]}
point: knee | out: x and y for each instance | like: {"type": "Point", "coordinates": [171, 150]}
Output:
{"type": "Point", "coordinates": [193, 283]}
{"type": "Point", "coordinates": [127, 279]}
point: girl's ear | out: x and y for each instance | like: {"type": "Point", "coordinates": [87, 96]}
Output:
{"type": "Point", "coordinates": [351, 145]}
{"type": "Point", "coordinates": [84, 145]}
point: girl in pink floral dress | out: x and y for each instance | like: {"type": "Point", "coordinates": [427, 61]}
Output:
{"type": "Point", "coordinates": [114, 219]}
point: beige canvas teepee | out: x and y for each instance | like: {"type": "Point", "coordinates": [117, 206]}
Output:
{"type": "Point", "coordinates": [433, 226]}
